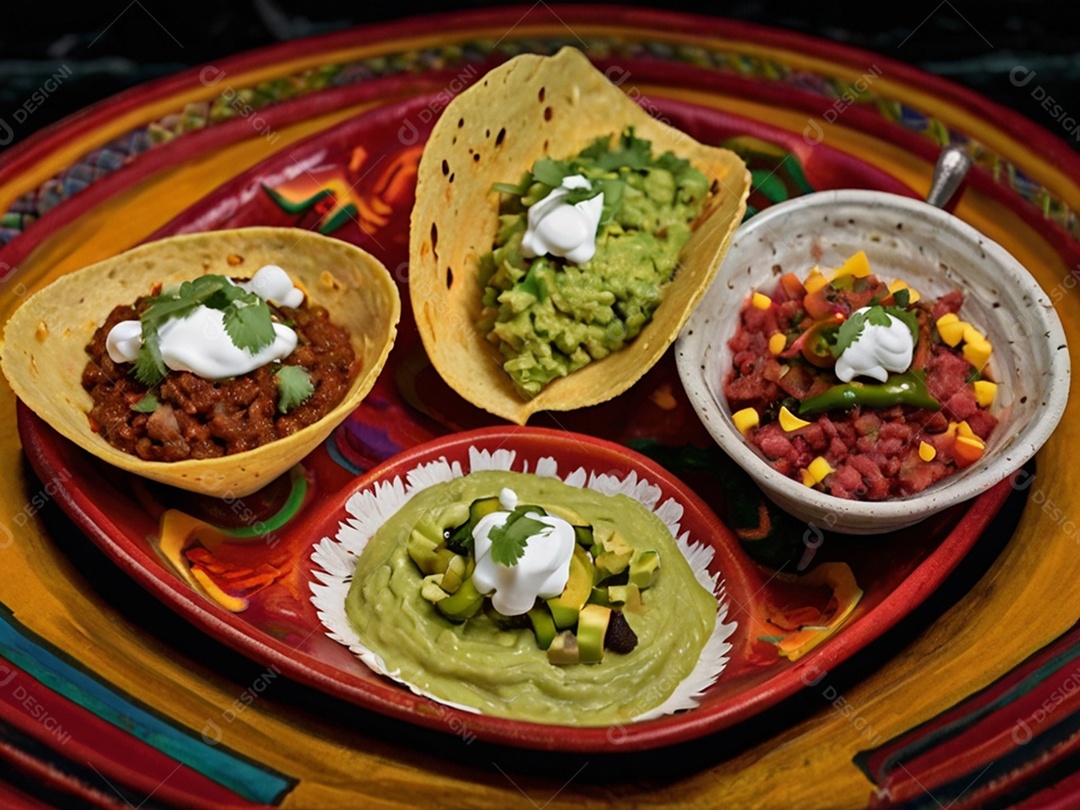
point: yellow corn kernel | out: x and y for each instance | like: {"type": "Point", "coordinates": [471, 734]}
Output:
{"type": "Point", "coordinates": [814, 281]}
{"type": "Point", "coordinates": [745, 420]}
{"type": "Point", "coordinates": [964, 429]}
{"type": "Point", "coordinates": [951, 328]}
{"type": "Point", "coordinates": [819, 468]}
{"type": "Point", "coordinates": [777, 343]}
{"type": "Point", "coordinates": [789, 421]}
{"type": "Point", "coordinates": [857, 266]}
{"type": "Point", "coordinates": [927, 451]}
{"type": "Point", "coordinates": [900, 284]}
{"type": "Point", "coordinates": [761, 301]}
{"type": "Point", "coordinates": [808, 479]}
{"type": "Point", "coordinates": [952, 428]}
{"type": "Point", "coordinates": [969, 448]}
{"type": "Point", "coordinates": [977, 352]}
{"type": "Point", "coordinates": [985, 392]}
{"type": "Point", "coordinates": [972, 335]}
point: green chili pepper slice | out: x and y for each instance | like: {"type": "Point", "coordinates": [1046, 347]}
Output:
{"type": "Point", "coordinates": [908, 388]}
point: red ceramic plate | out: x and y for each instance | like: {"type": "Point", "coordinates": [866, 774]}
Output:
{"type": "Point", "coordinates": [368, 168]}
{"type": "Point", "coordinates": [280, 626]}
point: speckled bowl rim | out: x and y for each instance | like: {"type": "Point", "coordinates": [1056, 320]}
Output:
{"type": "Point", "coordinates": [940, 496]}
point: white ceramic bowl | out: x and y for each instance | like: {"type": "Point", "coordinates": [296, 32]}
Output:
{"type": "Point", "coordinates": [933, 251]}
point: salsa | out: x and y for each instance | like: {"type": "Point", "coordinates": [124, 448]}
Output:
{"type": "Point", "coordinates": [857, 387]}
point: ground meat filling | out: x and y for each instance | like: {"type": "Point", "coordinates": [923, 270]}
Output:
{"type": "Point", "coordinates": [200, 418]}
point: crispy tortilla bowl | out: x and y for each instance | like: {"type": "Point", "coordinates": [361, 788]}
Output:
{"type": "Point", "coordinates": [494, 131]}
{"type": "Point", "coordinates": [44, 341]}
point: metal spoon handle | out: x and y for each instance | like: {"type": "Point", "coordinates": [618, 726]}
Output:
{"type": "Point", "coordinates": [952, 166]}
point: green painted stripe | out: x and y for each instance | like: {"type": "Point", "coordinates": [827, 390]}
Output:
{"type": "Point", "coordinates": [49, 666]}
{"type": "Point", "coordinates": [967, 717]}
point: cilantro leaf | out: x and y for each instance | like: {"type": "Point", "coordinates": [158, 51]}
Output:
{"type": "Point", "coordinates": [877, 316]}
{"type": "Point", "coordinates": [509, 540]}
{"type": "Point", "coordinates": [245, 315]}
{"type": "Point", "coordinates": [902, 297]}
{"type": "Point", "coordinates": [909, 318]}
{"type": "Point", "coordinates": [149, 364]}
{"type": "Point", "coordinates": [551, 172]}
{"type": "Point", "coordinates": [248, 323]}
{"type": "Point", "coordinates": [848, 333]}
{"type": "Point", "coordinates": [294, 386]}
{"type": "Point", "coordinates": [148, 404]}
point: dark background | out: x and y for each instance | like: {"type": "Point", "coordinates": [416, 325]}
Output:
{"type": "Point", "coordinates": [109, 46]}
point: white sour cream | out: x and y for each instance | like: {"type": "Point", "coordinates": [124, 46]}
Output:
{"type": "Point", "coordinates": [542, 571]}
{"type": "Point", "coordinates": [199, 342]}
{"type": "Point", "coordinates": [562, 229]}
{"type": "Point", "coordinates": [877, 351]}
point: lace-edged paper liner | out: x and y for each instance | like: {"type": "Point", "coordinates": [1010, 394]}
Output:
{"type": "Point", "coordinates": [370, 509]}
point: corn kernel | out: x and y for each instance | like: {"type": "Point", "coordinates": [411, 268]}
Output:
{"type": "Point", "coordinates": [745, 419]}
{"type": "Point", "coordinates": [808, 479]}
{"type": "Point", "coordinates": [977, 352]}
{"type": "Point", "coordinates": [927, 451]}
{"type": "Point", "coordinates": [900, 284]}
{"type": "Point", "coordinates": [777, 343]}
{"type": "Point", "coordinates": [789, 421]}
{"type": "Point", "coordinates": [857, 266]}
{"type": "Point", "coordinates": [964, 429]}
{"type": "Point", "coordinates": [985, 392]}
{"type": "Point", "coordinates": [972, 335]}
{"type": "Point", "coordinates": [951, 328]}
{"type": "Point", "coordinates": [969, 448]}
{"type": "Point", "coordinates": [761, 301]}
{"type": "Point", "coordinates": [814, 281]}
{"type": "Point", "coordinates": [819, 468]}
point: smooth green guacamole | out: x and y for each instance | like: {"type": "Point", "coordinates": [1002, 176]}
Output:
{"type": "Point", "coordinates": [503, 672]}
{"type": "Point", "coordinates": [550, 316]}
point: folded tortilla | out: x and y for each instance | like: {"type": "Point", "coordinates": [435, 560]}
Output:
{"type": "Point", "coordinates": [527, 108]}
{"type": "Point", "coordinates": [44, 349]}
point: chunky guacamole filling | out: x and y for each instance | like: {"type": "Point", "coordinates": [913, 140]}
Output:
{"type": "Point", "coordinates": [551, 316]}
{"type": "Point", "coordinates": [503, 671]}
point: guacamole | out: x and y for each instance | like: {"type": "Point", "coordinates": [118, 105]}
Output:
{"type": "Point", "coordinates": [552, 312]}
{"type": "Point", "coordinates": [503, 672]}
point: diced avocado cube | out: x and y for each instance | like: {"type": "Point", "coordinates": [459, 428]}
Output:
{"type": "Point", "coordinates": [482, 507]}
{"type": "Point", "coordinates": [462, 604]}
{"type": "Point", "coordinates": [564, 649]}
{"type": "Point", "coordinates": [611, 563]}
{"type": "Point", "coordinates": [543, 627]}
{"type": "Point", "coordinates": [644, 568]}
{"type": "Point", "coordinates": [628, 595]}
{"type": "Point", "coordinates": [432, 590]}
{"type": "Point", "coordinates": [453, 516]}
{"type": "Point", "coordinates": [599, 596]}
{"type": "Point", "coordinates": [592, 626]}
{"type": "Point", "coordinates": [455, 573]}
{"type": "Point", "coordinates": [564, 607]}
{"type": "Point", "coordinates": [429, 556]}
{"type": "Point", "coordinates": [584, 536]}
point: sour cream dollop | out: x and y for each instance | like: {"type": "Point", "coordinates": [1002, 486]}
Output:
{"type": "Point", "coordinates": [542, 571]}
{"type": "Point", "coordinates": [561, 229]}
{"type": "Point", "coordinates": [199, 342]}
{"type": "Point", "coordinates": [877, 351]}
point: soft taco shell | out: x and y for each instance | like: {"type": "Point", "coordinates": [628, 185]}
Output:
{"type": "Point", "coordinates": [493, 132]}
{"type": "Point", "coordinates": [44, 349]}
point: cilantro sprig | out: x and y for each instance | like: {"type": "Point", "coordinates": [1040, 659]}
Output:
{"type": "Point", "coordinates": [509, 540]}
{"type": "Point", "coordinates": [294, 386]}
{"type": "Point", "coordinates": [245, 315]}
{"type": "Point", "coordinates": [853, 327]}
